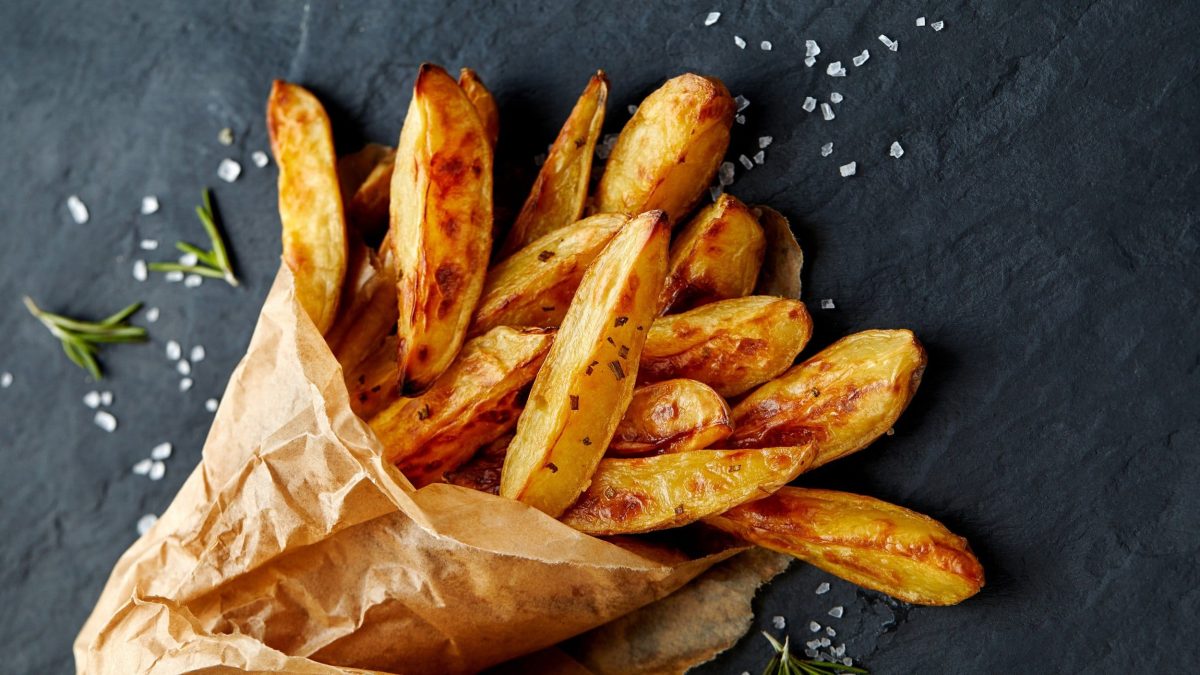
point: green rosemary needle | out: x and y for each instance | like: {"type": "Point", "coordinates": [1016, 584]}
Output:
{"type": "Point", "coordinates": [212, 263]}
{"type": "Point", "coordinates": [82, 339]}
{"type": "Point", "coordinates": [785, 663]}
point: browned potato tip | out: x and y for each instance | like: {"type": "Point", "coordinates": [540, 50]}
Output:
{"type": "Point", "coordinates": [557, 197]}
{"type": "Point", "coordinates": [441, 225]}
{"type": "Point", "coordinates": [668, 152]}
{"type": "Point", "coordinates": [586, 383]}
{"type": "Point", "coordinates": [483, 101]}
{"type": "Point", "coordinates": [655, 493]}
{"type": "Point", "coordinates": [730, 345]}
{"type": "Point", "coordinates": [716, 256]}
{"type": "Point", "coordinates": [863, 540]}
{"type": "Point", "coordinates": [840, 400]}
{"type": "Point", "coordinates": [671, 416]}
{"type": "Point", "coordinates": [476, 401]}
{"type": "Point", "coordinates": [310, 199]}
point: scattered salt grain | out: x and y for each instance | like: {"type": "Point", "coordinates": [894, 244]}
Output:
{"type": "Point", "coordinates": [79, 210]}
{"type": "Point", "coordinates": [742, 102]}
{"type": "Point", "coordinates": [143, 467]}
{"type": "Point", "coordinates": [149, 205]}
{"type": "Point", "coordinates": [811, 48]}
{"type": "Point", "coordinates": [740, 119]}
{"type": "Point", "coordinates": [848, 170]}
{"type": "Point", "coordinates": [825, 642]}
{"type": "Point", "coordinates": [184, 367]}
{"type": "Point", "coordinates": [161, 451]}
{"type": "Point", "coordinates": [830, 631]}
{"type": "Point", "coordinates": [779, 622]}
{"type": "Point", "coordinates": [937, 25]}
{"type": "Point", "coordinates": [836, 613]}
{"type": "Point", "coordinates": [847, 661]}
{"type": "Point", "coordinates": [826, 112]}
{"type": "Point", "coordinates": [149, 244]}
{"type": "Point", "coordinates": [173, 276]}
{"type": "Point", "coordinates": [193, 280]}
{"type": "Point", "coordinates": [896, 150]}
{"type": "Point", "coordinates": [737, 40]}
{"type": "Point", "coordinates": [813, 644]}
{"type": "Point", "coordinates": [6, 380]}
{"type": "Point", "coordinates": [810, 61]}
{"type": "Point", "coordinates": [185, 384]}
{"type": "Point", "coordinates": [225, 136]}
{"type": "Point", "coordinates": [839, 650]}
{"type": "Point", "coordinates": [197, 354]}
{"type": "Point", "coordinates": [725, 173]}
{"type": "Point", "coordinates": [887, 42]}
{"type": "Point", "coordinates": [188, 259]}
{"type": "Point", "coordinates": [810, 104]}
{"type": "Point", "coordinates": [106, 398]}
{"type": "Point", "coordinates": [814, 626]}
{"type": "Point", "coordinates": [139, 270]}
{"type": "Point", "coordinates": [539, 160]}
{"type": "Point", "coordinates": [861, 58]}
{"type": "Point", "coordinates": [715, 191]}
{"type": "Point", "coordinates": [895, 46]}
{"type": "Point", "coordinates": [920, 21]}
{"type": "Point", "coordinates": [211, 405]}
{"type": "Point", "coordinates": [760, 157]}
{"type": "Point", "coordinates": [810, 653]}
{"type": "Point", "coordinates": [835, 97]}
{"type": "Point", "coordinates": [712, 18]}
{"type": "Point", "coordinates": [229, 170]}
{"type": "Point", "coordinates": [891, 431]}
{"type": "Point", "coordinates": [765, 45]}
{"type": "Point", "coordinates": [145, 523]}
{"type": "Point", "coordinates": [823, 588]}
{"type": "Point", "coordinates": [827, 303]}
{"type": "Point", "coordinates": [835, 69]}
{"type": "Point", "coordinates": [157, 471]}
{"type": "Point", "coordinates": [174, 351]}
{"type": "Point", "coordinates": [152, 314]}
{"type": "Point", "coordinates": [827, 149]}
{"type": "Point", "coordinates": [764, 141]}
{"type": "Point", "coordinates": [631, 108]}
{"type": "Point", "coordinates": [259, 158]}
{"type": "Point", "coordinates": [746, 162]}
{"type": "Point", "coordinates": [92, 399]}
{"type": "Point", "coordinates": [105, 421]}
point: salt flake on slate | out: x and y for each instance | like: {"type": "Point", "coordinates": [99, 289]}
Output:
{"type": "Point", "coordinates": [835, 97]}
{"type": "Point", "coordinates": [839, 650]}
{"type": "Point", "coordinates": [229, 170]}
{"type": "Point", "coordinates": [92, 399]}
{"type": "Point", "coordinates": [259, 158]}
{"type": "Point", "coordinates": [737, 40]}
{"type": "Point", "coordinates": [225, 136]}
{"type": "Point", "coordinates": [887, 42]}
{"type": "Point", "coordinates": [715, 191]}
{"type": "Point", "coordinates": [725, 173]}
{"type": "Point", "coordinates": [848, 170]}
{"type": "Point", "coordinates": [174, 351]}
{"type": "Point", "coordinates": [830, 631]}
{"type": "Point", "coordinates": [145, 523]}
{"type": "Point", "coordinates": [814, 626]}
{"type": "Point", "coordinates": [173, 276]}
{"type": "Point", "coordinates": [185, 384]}
{"type": "Point", "coordinates": [631, 109]}
{"type": "Point", "coordinates": [760, 157]}
{"type": "Point", "coordinates": [106, 398]}
{"type": "Point", "coordinates": [827, 149]}
{"type": "Point", "coordinates": [827, 303]}
{"type": "Point", "coordinates": [810, 104]}
{"type": "Point", "coordinates": [813, 644]}
{"type": "Point", "coordinates": [823, 588]}
{"type": "Point", "coordinates": [765, 45]}
{"type": "Point", "coordinates": [764, 141]}
{"type": "Point", "coordinates": [937, 25]}
{"type": "Point", "coordinates": [836, 613]}
{"type": "Point", "coordinates": [79, 210]}
{"type": "Point", "coordinates": [149, 244]}
{"type": "Point", "coordinates": [825, 642]}
{"type": "Point", "coordinates": [920, 21]}
{"type": "Point", "coordinates": [861, 58]}
{"type": "Point", "coordinates": [161, 451]}
{"type": "Point", "coordinates": [197, 354]}
{"type": "Point", "coordinates": [746, 161]}
{"type": "Point", "coordinates": [188, 259]}
{"type": "Point", "coordinates": [152, 314]}
{"type": "Point", "coordinates": [184, 367]}
{"type": "Point", "coordinates": [149, 205]}
{"type": "Point", "coordinates": [810, 61]}
{"type": "Point", "coordinates": [193, 280]}
{"type": "Point", "coordinates": [211, 405]}
{"type": "Point", "coordinates": [779, 622]}
{"type": "Point", "coordinates": [143, 467]}
{"type": "Point", "coordinates": [6, 380]}
{"type": "Point", "coordinates": [712, 18]}
{"type": "Point", "coordinates": [896, 150]}
{"type": "Point", "coordinates": [139, 270]}
{"type": "Point", "coordinates": [740, 119]}
{"type": "Point", "coordinates": [835, 69]}
{"type": "Point", "coordinates": [826, 112]}
{"type": "Point", "coordinates": [157, 471]}
{"type": "Point", "coordinates": [811, 48]}
{"type": "Point", "coordinates": [105, 421]}
{"type": "Point", "coordinates": [742, 102]}
{"type": "Point", "coordinates": [848, 661]}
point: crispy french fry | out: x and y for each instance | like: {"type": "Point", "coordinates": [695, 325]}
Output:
{"type": "Point", "coordinates": [587, 380]}
{"type": "Point", "coordinates": [730, 345]}
{"type": "Point", "coordinates": [863, 540]}
{"type": "Point", "coordinates": [654, 493]}
{"type": "Point", "coordinates": [669, 150]}
{"type": "Point", "coordinates": [482, 472]}
{"type": "Point", "coordinates": [840, 400]}
{"type": "Point", "coordinates": [310, 200]}
{"type": "Point", "coordinates": [535, 285]}
{"type": "Point", "coordinates": [484, 102]}
{"type": "Point", "coordinates": [557, 197]}
{"type": "Point", "coordinates": [671, 416]}
{"type": "Point", "coordinates": [474, 402]}
{"type": "Point", "coordinates": [372, 382]}
{"type": "Point", "coordinates": [441, 225]}
{"type": "Point", "coordinates": [716, 256]}
{"type": "Point", "coordinates": [367, 207]}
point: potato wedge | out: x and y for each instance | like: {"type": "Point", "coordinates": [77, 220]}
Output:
{"type": "Point", "coordinates": [365, 321]}
{"type": "Point", "coordinates": [557, 197]}
{"type": "Point", "coordinates": [310, 199]}
{"type": "Point", "coordinates": [367, 208]}
{"type": "Point", "coordinates": [654, 493]}
{"type": "Point", "coordinates": [730, 345]}
{"type": "Point", "coordinates": [671, 416]}
{"type": "Point", "coordinates": [473, 403]}
{"type": "Point", "coordinates": [484, 102]}
{"type": "Point", "coordinates": [353, 169]}
{"type": "Point", "coordinates": [668, 152]}
{"type": "Point", "coordinates": [586, 383]}
{"type": "Point", "coordinates": [863, 540]}
{"type": "Point", "coordinates": [840, 400]}
{"type": "Point", "coordinates": [716, 256]}
{"type": "Point", "coordinates": [441, 225]}
{"type": "Point", "coordinates": [784, 259]}
{"type": "Point", "coordinates": [535, 285]}
{"type": "Point", "coordinates": [372, 382]}
{"type": "Point", "coordinates": [482, 472]}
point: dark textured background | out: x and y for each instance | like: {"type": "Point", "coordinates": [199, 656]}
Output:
{"type": "Point", "coordinates": [1040, 235]}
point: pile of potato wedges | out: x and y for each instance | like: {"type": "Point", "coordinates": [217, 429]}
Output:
{"type": "Point", "coordinates": [616, 356]}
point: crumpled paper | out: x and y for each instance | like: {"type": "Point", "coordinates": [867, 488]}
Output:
{"type": "Point", "coordinates": [294, 548]}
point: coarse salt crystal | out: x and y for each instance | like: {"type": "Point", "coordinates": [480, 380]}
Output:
{"type": "Point", "coordinates": [139, 270]}
{"type": "Point", "coordinates": [835, 97]}
{"type": "Point", "coordinates": [848, 170]}
{"type": "Point", "coordinates": [149, 205]}
{"type": "Point", "coordinates": [823, 588]}
{"type": "Point", "coordinates": [891, 431]}
{"type": "Point", "coordinates": [826, 112]}
{"type": "Point", "coordinates": [161, 451]}
{"type": "Point", "coordinates": [152, 314]}
{"type": "Point", "coordinates": [765, 45]}
{"type": "Point", "coordinates": [157, 471]}
{"type": "Point", "coordinates": [760, 157]}
{"type": "Point", "coordinates": [725, 173]}
{"type": "Point", "coordinates": [825, 642]}
{"type": "Point", "coordinates": [173, 275]}
{"type": "Point", "coordinates": [211, 405]}
{"type": "Point", "coordinates": [827, 303]}
{"type": "Point", "coordinates": [887, 42]}
{"type": "Point", "coordinates": [193, 280]}
{"type": "Point", "coordinates": [6, 380]}
{"type": "Point", "coordinates": [185, 384]}
{"type": "Point", "coordinates": [79, 210]}
{"type": "Point", "coordinates": [830, 631]}
{"type": "Point", "coordinates": [810, 104]}
{"type": "Point", "coordinates": [895, 46]}
{"type": "Point", "coordinates": [938, 25]}
{"type": "Point", "coordinates": [827, 149]}
{"type": "Point", "coordinates": [920, 21]}
{"type": "Point", "coordinates": [188, 259]}
{"type": "Point", "coordinates": [106, 398]}
{"type": "Point", "coordinates": [143, 467]}
{"type": "Point", "coordinates": [174, 351]}
{"type": "Point", "coordinates": [810, 653]}
{"type": "Point", "coordinates": [712, 18]}
{"type": "Point", "coordinates": [810, 61]}
{"type": "Point", "coordinates": [225, 136]}
{"type": "Point", "coordinates": [813, 644]}
{"type": "Point", "coordinates": [740, 119]}
{"type": "Point", "coordinates": [742, 102]}
{"type": "Point", "coordinates": [149, 244]}
{"type": "Point", "coordinates": [811, 48]}
{"type": "Point", "coordinates": [714, 192]}
{"type": "Point", "coordinates": [105, 420]}
{"type": "Point", "coordinates": [197, 354]}
{"type": "Point", "coordinates": [839, 650]}
{"type": "Point", "coordinates": [835, 69]}
{"type": "Point", "coordinates": [631, 108]}
{"type": "Point", "coordinates": [184, 367]}
{"type": "Point", "coordinates": [229, 170]}
{"type": "Point", "coordinates": [259, 158]}
{"type": "Point", "coordinates": [896, 150]}
{"type": "Point", "coordinates": [779, 622]}
{"type": "Point", "coordinates": [814, 626]}
{"type": "Point", "coordinates": [861, 58]}
{"type": "Point", "coordinates": [145, 523]}
{"type": "Point", "coordinates": [746, 161]}
{"type": "Point", "coordinates": [764, 141]}
{"type": "Point", "coordinates": [92, 399]}
{"type": "Point", "coordinates": [737, 40]}
{"type": "Point", "coordinates": [847, 661]}
{"type": "Point", "coordinates": [836, 613]}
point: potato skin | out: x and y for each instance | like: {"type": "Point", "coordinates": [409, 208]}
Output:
{"type": "Point", "coordinates": [310, 199]}
{"type": "Point", "coordinates": [863, 540]}
{"type": "Point", "coordinates": [731, 345]}
{"type": "Point", "coordinates": [484, 102]}
{"type": "Point", "coordinates": [587, 380]}
{"type": "Point", "coordinates": [668, 152]}
{"type": "Point", "coordinates": [367, 208]}
{"type": "Point", "coordinates": [716, 256]}
{"type": "Point", "coordinates": [558, 194]}
{"type": "Point", "coordinates": [372, 381]}
{"type": "Point", "coordinates": [482, 472]}
{"type": "Point", "coordinates": [841, 399]}
{"type": "Point", "coordinates": [534, 286]}
{"type": "Point", "coordinates": [654, 493]}
{"type": "Point", "coordinates": [476, 401]}
{"type": "Point", "coordinates": [441, 225]}
{"type": "Point", "coordinates": [671, 416]}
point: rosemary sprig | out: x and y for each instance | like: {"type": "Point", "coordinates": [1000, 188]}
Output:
{"type": "Point", "coordinates": [785, 663]}
{"type": "Point", "coordinates": [82, 339]}
{"type": "Point", "coordinates": [213, 263]}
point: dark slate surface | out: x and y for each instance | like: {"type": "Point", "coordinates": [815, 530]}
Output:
{"type": "Point", "coordinates": [1039, 234]}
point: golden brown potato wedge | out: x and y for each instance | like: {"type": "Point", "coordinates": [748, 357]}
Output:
{"type": "Point", "coordinates": [557, 197]}
{"type": "Point", "coordinates": [366, 319]}
{"type": "Point", "coordinates": [863, 540]}
{"type": "Point", "coordinates": [482, 472]}
{"type": "Point", "coordinates": [484, 102]}
{"type": "Point", "coordinates": [671, 416]}
{"type": "Point", "coordinates": [367, 207]}
{"type": "Point", "coordinates": [441, 225]}
{"type": "Point", "coordinates": [730, 345]}
{"type": "Point", "coordinates": [310, 199]}
{"type": "Point", "coordinates": [473, 403]}
{"type": "Point", "coordinates": [716, 256]}
{"type": "Point", "coordinates": [654, 493]}
{"type": "Point", "coordinates": [372, 382]}
{"type": "Point", "coordinates": [840, 400]}
{"type": "Point", "coordinates": [353, 169]}
{"type": "Point", "coordinates": [586, 383]}
{"type": "Point", "coordinates": [535, 285]}
{"type": "Point", "coordinates": [784, 259]}
{"type": "Point", "coordinates": [669, 150]}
